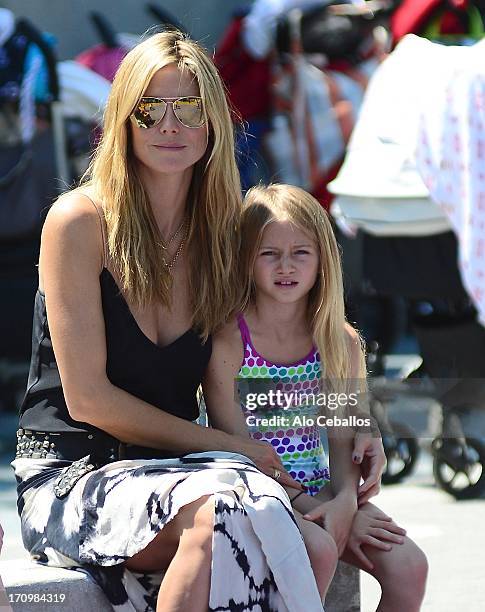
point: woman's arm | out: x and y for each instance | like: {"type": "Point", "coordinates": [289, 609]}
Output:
{"type": "Point", "coordinates": [337, 514]}
{"type": "Point", "coordinates": [70, 263]}
{"type": "Point", "coordinates": [345, 475]}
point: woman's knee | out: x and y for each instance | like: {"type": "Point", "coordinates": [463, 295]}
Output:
{"type": "Point", "coordinates": [196, 523]}
{"type": "Point", "coordinates": [321, 548]}
{"type": "Point", "coordinates": [191, 527]}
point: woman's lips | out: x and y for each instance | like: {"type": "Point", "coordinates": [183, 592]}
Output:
{"type": "Point", "coordinates": [170, 147]}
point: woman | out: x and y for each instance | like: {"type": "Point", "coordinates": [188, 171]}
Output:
{"type": "Point", "coordinates": [136, 270]}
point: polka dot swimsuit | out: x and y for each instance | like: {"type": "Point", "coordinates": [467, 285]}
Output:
{"type": "Point", "coordinates": [288, 422]}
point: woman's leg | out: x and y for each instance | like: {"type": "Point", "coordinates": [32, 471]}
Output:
{"type": "Point", "coordinates": [401, 573]}
{"type": "Point", "coordinates": [321, 550]}
{"type": "Point", "coordinates": [184, 549]}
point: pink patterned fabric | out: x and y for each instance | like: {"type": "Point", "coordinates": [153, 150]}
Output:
{"type": "Point", "coordinates": [451, 160]}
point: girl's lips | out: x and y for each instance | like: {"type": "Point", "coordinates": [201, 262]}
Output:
{"type": "Point", "coordinates": [286, 283]}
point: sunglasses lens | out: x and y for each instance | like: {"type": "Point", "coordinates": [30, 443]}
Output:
{"type": "Point", "coordinates": [149, 113]}
{"type": "Point", "coordinates": [189, 112]}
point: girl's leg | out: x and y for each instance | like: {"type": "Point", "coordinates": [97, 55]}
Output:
{"type": "Point", "coordinates": [184, 549]}
{"type": "Point", "coordinates": [401, 573]}
{"type": "Point", "coordinates": [321, 550]}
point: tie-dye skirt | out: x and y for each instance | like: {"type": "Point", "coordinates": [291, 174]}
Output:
{"type": "Point", "coordinates": [259, 561]}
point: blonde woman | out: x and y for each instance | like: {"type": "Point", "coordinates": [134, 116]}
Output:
{"type": "Point", "coordinates": [299, 366]}
{"type": "Point", "coordinates": [136, 270]}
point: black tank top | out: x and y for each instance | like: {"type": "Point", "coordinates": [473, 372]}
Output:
{"type": "Point", "coordinates": [166, 377]}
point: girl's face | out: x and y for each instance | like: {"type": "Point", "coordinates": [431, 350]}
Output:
{"type": "Point", "coordinates": [287, 263]}
{"type": "Point", "coordinates": [169, 147]}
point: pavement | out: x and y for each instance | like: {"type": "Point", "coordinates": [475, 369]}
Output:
{"type": "Point", "coordinates": [452, 535]}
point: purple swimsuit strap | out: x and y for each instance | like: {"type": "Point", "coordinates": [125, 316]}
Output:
{"type": "Point", "coordinates": [244, 329]}
{"type": "Point", "coordinates": [246, 339]}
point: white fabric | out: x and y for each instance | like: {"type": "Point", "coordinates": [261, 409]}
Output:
{"type": "Point", "coordinates": [83, 91]}
{"type": "Point", "coordinates": [389, 216]}
{"type": "Point", "coordinates": [7, 25]}
{"type": "Point", "coordinates": [380, 160]}
{"type": "Point", "coordinates": [255, 535]}
{"type": "Point", "coordinates": [451, 159]}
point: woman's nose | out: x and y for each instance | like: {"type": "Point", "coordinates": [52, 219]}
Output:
{"type": "Point", "coordinates": [169, 123]}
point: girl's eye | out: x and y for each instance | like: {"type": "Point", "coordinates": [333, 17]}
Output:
{"type": "Point", "coordinates": [302, 252]}
{"type": "Point", "coordinates": [266, 253]}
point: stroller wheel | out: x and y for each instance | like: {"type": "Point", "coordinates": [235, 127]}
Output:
{"type": "Point", "coordinates": [401, 450]}
{"type": "Point", "coordinates": [459, 470]}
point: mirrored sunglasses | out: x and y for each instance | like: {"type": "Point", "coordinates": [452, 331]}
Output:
{"type": "Point", "coordinates": [188, 110]}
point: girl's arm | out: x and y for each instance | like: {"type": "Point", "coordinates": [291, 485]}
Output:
{"type": "Point", "coordinates": [223, 408]}
{"type": "Point", "coordinates": [70, 264]}
{"type": "Point", "coordinates": [219, 383]}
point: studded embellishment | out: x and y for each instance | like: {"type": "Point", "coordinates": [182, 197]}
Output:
{"type": "Point", "coordinates": [34, 445]}
{"type": "Point", "coordinates": [70, 475]}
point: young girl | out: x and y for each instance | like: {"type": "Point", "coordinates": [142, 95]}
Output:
{"type": "Point", "coordinates": [290, 336]}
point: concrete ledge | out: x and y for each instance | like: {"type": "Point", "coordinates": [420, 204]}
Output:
{"type": "Point", "coordinates": [344, 592]}
{"type": "Point", "coordinates": [24, 578]}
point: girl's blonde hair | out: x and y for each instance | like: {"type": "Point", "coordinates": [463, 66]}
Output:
{"type": "Point", "coordinates": [214, 200]}
{"type": "Point", "coordinates": [326, 312]}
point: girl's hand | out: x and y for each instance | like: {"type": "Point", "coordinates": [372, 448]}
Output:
{"type": "Point", "coordinates": [369, 453]}
{"type": "Point", "coordinates": [336, 517]}
{"type": "Point", "coordinates": [371, 527]}
{"type": "Point", "coordinates": [268, 461]}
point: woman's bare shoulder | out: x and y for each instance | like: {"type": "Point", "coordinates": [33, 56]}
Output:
{"type": "Point", "coordinates": [72, 229]}
{"type": "Point", "coordinates": [73, 208]}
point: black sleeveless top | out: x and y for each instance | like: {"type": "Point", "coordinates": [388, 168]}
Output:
{"type": "Point", "coordinates": [166, 377]}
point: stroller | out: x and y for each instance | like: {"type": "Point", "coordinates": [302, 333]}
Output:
{"type": "Point", "coordinates": [408, 251]}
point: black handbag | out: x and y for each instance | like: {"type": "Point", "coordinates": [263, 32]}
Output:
{"type": "Point", "coordinates": [27, 186]}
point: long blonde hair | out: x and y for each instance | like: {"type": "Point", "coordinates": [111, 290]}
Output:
{"type": "Point", "coordinates": [214, 200]}
{"type": "Point", "coordinates": [326, 313]}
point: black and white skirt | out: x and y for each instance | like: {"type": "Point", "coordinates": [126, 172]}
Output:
{"type": "Point", "coordinates": [259, 561]}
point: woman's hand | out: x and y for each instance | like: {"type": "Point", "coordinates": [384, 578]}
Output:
{"type": "Point", "coordinates": [371, 527]}
{"type": "Point", "coordinates": [369, 454]}
{"type": "Point", "coordinates": [336, 517]}
{"type": "Point", "coordinates": [268, 461]}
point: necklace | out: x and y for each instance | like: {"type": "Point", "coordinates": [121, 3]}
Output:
{"type": "Point", "coordinates": [165, 246]}
{"type": "Point", "coordinates": [169, 265]}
